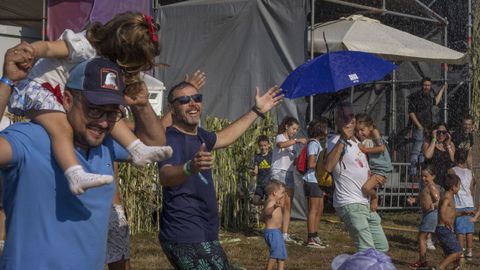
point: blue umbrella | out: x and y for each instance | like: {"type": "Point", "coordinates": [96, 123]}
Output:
{"type": "Point", "coordinates": [335, 71]}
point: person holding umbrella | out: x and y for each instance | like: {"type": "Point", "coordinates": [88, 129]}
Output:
{"type": "Point", "coordinates": [350, 170]}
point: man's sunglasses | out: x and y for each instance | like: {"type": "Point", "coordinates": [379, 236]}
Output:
{"type": "Point", "coordinates": [94, 112]}
{"type": "Point", "coordinates": [197, 98]}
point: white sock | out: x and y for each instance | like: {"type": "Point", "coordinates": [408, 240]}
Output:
{"type": "Point", "coordinates": [143, 154]}
{"type": "Point", "coordinates": [79, 180]}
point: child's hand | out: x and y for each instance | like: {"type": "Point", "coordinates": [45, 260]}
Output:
{"type": "Point", "coordinates": [277, 204]}
{"type": "Point", "coordinates": [136, 94]}
{"type": "Point", "coordinates": [198, 79]}
{"type": "Point", "coordinates": [362, 148]}
{"type": "Point", "coordinates": [411, 200]}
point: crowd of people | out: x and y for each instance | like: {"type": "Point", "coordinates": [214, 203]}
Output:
{"type": "Point", "coordinates": [62, 205]}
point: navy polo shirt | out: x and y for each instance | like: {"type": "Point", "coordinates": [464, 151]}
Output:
{"type": "Point", "coordinates": [189, 212]}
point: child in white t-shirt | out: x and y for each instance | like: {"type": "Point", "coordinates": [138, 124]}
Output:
{"type": "Point", "coordinates": [464, 227]}
{"type": "Point", "coordinates": [283, 156]}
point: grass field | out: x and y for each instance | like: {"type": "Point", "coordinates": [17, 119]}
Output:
{"type": "Point", "coordinates": [247, 250]}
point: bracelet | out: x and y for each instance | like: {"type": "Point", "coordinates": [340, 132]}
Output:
{"type": "Point", "coordinates": [186, 168]}
{"type": "Point", "coordinates": [255, 110]}
{"type": "Point", "coordinates": [434, 139]}
{"type": "Point", "coordinates": [7, 81]}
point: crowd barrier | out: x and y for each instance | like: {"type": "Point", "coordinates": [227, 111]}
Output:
{"type": "Point", "coordinates": [394, 194]}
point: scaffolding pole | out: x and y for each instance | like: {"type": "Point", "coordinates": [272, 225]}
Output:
{"type": "Point", "coordinates": [312, 50]}
{"type": "Point", "coordinates": [469, 46]}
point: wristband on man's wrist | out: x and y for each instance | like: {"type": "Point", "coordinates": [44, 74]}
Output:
{"type": "Point", "coordinates": [7, 81]}
{"type": "Point", "coordinates": [186, 168]}
{"type": "Point", "coordinates": [255, 110]}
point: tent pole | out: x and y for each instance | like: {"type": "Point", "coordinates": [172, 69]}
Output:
{"type": "Point", "coordinates": [312, 50]}
{"type": "Point", "coordinates": [44, 18]}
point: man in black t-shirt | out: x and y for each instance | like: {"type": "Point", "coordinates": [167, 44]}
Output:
{"type": "Point", "coordinates": [189, 221]}
{"type": "Point", "coordinates": [422, 107]}
{"type": "Point", "coordinates": [463, 138]}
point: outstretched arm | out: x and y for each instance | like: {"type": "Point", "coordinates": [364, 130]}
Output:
{"type": "Point", "coordinates": [263, 104]}
{"type": "Point", "coordinates": [439, 95]}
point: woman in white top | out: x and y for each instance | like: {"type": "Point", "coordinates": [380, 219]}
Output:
{"type": "Point", "coordinates": [282, 168]}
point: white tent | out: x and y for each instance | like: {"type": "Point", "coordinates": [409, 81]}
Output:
{"type": "Point", "coordinates": [359, 33]}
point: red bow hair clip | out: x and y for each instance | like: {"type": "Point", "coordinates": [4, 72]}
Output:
{"type": "Point", "coordinates": [151, 27]}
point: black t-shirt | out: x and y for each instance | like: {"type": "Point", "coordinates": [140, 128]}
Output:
{"type": "Point", "coordinates": [462, 140]}
{"type": "Point", "coordinates": [189, 213]}
{"type": "Point", "coordinates": [441, 162]}
{"type": "Point", "coordinates": [423, 107]}
{"type": "Point", "coordinates": [263, 163]}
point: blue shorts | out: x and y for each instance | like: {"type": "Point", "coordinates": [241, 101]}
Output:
{"type": "Point", "coordinates": [462, 223]}
{"type": "Point", "coordinates": [286, 177]}
{"type": "Point", "coordinates": [275, 242]}
{"type": "Point", "coordinates": [447, 240]}
{"type": "Point", "coordinates": [429, 221]}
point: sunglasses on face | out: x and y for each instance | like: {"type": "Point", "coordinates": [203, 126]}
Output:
{"type": "Point", "coordinates": [442, 132]}
{"type": "Point", "coordinates": [197, 98]}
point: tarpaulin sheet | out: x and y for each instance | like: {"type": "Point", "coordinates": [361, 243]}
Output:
{"type": "Point", "coordinates": [239, 44]}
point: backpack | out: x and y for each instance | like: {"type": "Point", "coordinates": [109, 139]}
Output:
{"type": "Point", "coordinates": [302, 159]}
{"type": "Point", "coordinates": [324, 178]}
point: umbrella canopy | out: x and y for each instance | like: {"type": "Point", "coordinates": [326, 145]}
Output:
{"type": "Point", "coordinates": [335, 71]}
{"type": "Point", "coordinates": [359, 33]}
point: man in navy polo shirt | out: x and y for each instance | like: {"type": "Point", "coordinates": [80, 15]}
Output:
{"type": "Point", "coordinates": [189, 221]}
{"type": "Point", "coordinates": [48, 227]}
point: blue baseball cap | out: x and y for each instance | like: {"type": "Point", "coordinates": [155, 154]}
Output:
{"type": "Point", "coordinates": [100, 80]}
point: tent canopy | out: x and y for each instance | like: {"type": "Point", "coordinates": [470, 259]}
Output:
{"type": "Point", "coordinates": [359, 33]}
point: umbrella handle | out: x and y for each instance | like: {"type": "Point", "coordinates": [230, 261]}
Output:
{"type": "Point", "coordinates": [325, 39]}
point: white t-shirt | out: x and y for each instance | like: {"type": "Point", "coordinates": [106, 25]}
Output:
{"type": "Point", "coordinates": [464, 196]}
{"type": "Point", "coordinates": [350, 173]}
{"type": "Point", "coordinates": [313, 149]}
{"type": "Point", "coordinates": [5, 122]}
{"type": "Point", "coordinates": [282, 158]}
{"type": "Point", "coordinates": [56, 70]}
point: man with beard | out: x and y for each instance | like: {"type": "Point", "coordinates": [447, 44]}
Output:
{"type": "Point", "coordinates": [48, 227]}
{"type": "Point", "coordinates": [189, 221]}
{"type": "Point", "coordinates": [422, 110]}
{"type": "Point", "coordinates": [463, 138]}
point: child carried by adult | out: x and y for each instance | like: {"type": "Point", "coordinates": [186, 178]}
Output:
{"type": "Point", "coordinates": [130, 40]}
{"type": "Point", "coordinates": [378, 156]}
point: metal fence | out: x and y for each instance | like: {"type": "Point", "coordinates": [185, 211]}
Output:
{"type": "Point", "coordinates": [394, 194]}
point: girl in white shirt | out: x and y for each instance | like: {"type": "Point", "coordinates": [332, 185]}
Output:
{"type": "Point", "coordinates": [282, 168]}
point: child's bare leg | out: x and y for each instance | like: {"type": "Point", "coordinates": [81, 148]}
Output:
{"type": "Point", "coordinates": [271, 263]}
{"type": "Point", "coordinates": [287, 210]}
{"type": "Point", "coordinates": [469, 241]}
{"type": "Point", "coordinates": [449, 260]}
{"type": "Point", "coordinates": [281, 264]}
{"type": "Point", "coordinates": [141, 153]}
{"type": "Point", "coordinates": [461, 240]}
{"type": "Point", "coordinates": [369, 189]}
{"type": "Point", "coordinates": [61, 135]}
{"type": "Point", "coordinates": [422, 246]}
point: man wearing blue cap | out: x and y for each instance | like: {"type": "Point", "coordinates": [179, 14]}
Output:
{"type": "Point", "coordinates": [48, 227]}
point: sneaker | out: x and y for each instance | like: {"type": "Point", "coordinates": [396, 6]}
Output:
{"type": "Point", "coordinates": [418, 264]}
{"type": "Point", "coordinates": [288, 239]}
{"type": "Point", "coordinates": [430, 245]}
{"type": "Point", "coordinates": [313, 244]}
{"type": "Point", "coordinates": [319, 241]}
{"type": "Point", "coordinates": [469, 256]}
